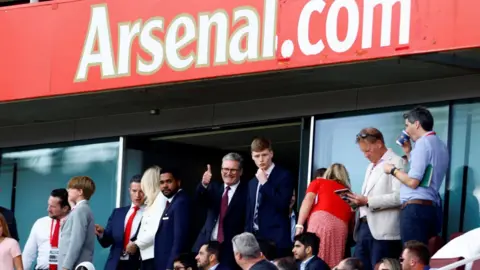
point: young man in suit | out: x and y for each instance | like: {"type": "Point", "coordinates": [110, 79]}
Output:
{"type": "Point", "coordinates": [305, 251]}
{"type": "Point", "coordinates": [12, 223]}
{"type": "Point", "coordinates": [225, 203]}
{"type": "Point", "coordinates": [121, 227]}
{"type": "Point", "coordinates": [377, 226]}
{"type": "Point", "coordinates": [173, 232]}
{"type": "Point", "coordinates": [268, 201]}
{"type": "Point", "coordinates": [77, 236]}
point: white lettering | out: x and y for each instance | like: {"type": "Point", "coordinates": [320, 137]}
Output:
{"type": "Point", "coordinates": [174, 45]}
{"type": "Point", "coordinates": [387, 10]}
{"type": "Point", "coordinates": [152, 45]}
{"type": "Point", "coordinates": [269, 28]}
{"type": "Point", "coordinates": [98, 32]}
{"type": "Point", "coordinates": [220, 20]}
{"type": "Point", "coordinates": [127, 35]}
{"type": "Point", "coordinates": [303, 30]}
{"type": "Point", "coordinates": [352, 29]}
{"type": "Point", "coordinates": [249, 31]}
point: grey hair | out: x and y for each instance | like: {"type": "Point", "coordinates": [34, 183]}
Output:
{"type": "Point", "coordinates": [246, 245]}
{"type": "Point", "coordinates": [234, 157]}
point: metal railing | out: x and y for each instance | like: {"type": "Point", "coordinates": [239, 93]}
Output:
{"type": "Point", "coordinates": [459, 263]}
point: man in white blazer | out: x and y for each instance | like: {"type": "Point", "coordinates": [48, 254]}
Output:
{"type": "Point", "coordinates": [377, 227]}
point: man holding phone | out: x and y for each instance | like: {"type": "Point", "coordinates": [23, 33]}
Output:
{"type": "Point", "coordinates": [377, 228]}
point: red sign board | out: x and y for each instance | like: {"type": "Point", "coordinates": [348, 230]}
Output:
{"type": "Point", "coordinates": [66, 47]}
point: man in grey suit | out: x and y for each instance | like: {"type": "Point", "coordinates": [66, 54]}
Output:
{"type": "Point", "coordinates": [77, 236]}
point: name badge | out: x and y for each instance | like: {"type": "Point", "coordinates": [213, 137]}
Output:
{"type": "Point", "coordinates": [165, 218]}
{"type": "Point", "coordinates": [53, 256]}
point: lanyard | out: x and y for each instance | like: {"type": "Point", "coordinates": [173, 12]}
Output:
{"type": "Point", "coordinates": [430, 133]}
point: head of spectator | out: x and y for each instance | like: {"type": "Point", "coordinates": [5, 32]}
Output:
{"type": "Point", "coordinates": [262, 152]}
{"type": "Point", "coordinates": [85, 266]}
{"type": "Point", "coordinates": [209, 255]}
{"type": "Point", "coordinates": [415, 256]}
{"type": "Point", "coordinates": [136, 194]}
{"type": "Point", "coordinates": [418, 121]}
{"type": "Point", "coordinates": [306, 245]}
{"type": "Point", "coordinates": [371, 143]}
{"type": "Point", "coordinates": [246, 250]}
{"type": "Point", "coordinates": [80, 188]}
{"type": "Point", "coordinates": [389, 264]}
{"type": "Point", "coordinates": [4, 232]}
{"type": "Point", "coordinates": [268, 248]}
{"type": "Point", "coordinates": [338, 173]}
{"type": "Point", "coordinates": [293, 200]}
{"type": "Point", "coordinates": [232, 168]}
{"type": "Point", "coordinates": [349, 264]}
{"type": "Point", "coordinates": [150, 184]}
{"type": "Point", "coordinates": [286, 263]}
{"type": "Point", "coordinates": [319, 173]}
{"type": "Point", "coordinates": [185, 261]}
{"type": "Point", "coordinates": [169, 182]}
{"type": "Point", "coordinates": [58, 206]}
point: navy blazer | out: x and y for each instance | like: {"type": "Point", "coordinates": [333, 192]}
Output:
{"type": "Point", "coordinates": [113, 238]}
{"type": "Point", "coordinates": [273, 212]}
{"type": "Point", "coordinates": [11, 222]}
{"type": "Point", "coordinates": [315, 264]}
{"type": "Point", "coordinates": [173, 231]}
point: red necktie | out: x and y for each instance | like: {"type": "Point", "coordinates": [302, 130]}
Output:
{"type": "Point", "coordinates": [168, 203]}
{"type": "Point", "coordinates": [54, 239]}
{"type": "Point", "coordinates": [223, 211]}
{"type": "Point", "coordinates": [128, 228]}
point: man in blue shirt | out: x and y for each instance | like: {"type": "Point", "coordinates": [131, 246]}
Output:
{"type": "Point", "coordinates": [421, 214]}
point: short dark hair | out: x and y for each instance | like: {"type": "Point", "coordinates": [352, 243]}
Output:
{"type": "Point", "coordinates": [213, 247]}
{"type": "Point", "coordinates": [136, 179]}
{"type": "Point", "coordinates": [268, 248]}
{"type": "Point", "coordinates": [320, 172]}
{"type": "Point", "coordinates": [370, 134]}
{"type": "Point", "coordinates": [309, 239]}
{"type": "Point", "coordinates": [419, 250]}
{"type": "Point", "coordinates": [422, 115]}
{"type": "Point", "coordinates": [173, 171]}
{"type": "Point", "coordinates": [286, 263]}
{"type": "Point", "coordinates": [188, 260]}
{"type": "Point", "coordinates": [62, 195]}
{"type": "Point", "coordinates": [353, 264]}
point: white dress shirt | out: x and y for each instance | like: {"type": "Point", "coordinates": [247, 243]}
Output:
{"type": "Point", "coordinates": [135, 224]}
{"type": "Point", "coordinates": [230, 195]}
{"type": "Point", "coordinates": [268, 172]}
{"type": "Point", "coordinates": [38, 246]}
{"type": "Point", "coordinates": [149, 226]}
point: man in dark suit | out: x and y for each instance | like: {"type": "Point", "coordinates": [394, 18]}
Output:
{"type": "Point", "coordinates": [208, 257]}
{"type": "Point", "coordinates": [269, 196]}
{"type": "Point", "coordinates": [122, 225]}
{"type": "Point", "coordinates": [12, 223]}
{"type": "Point", "coordinates": [226, 207]}
{"type": "Point", "coordinates": [173, 232]}
{"type": "Point", "coordinates": [305, 251]}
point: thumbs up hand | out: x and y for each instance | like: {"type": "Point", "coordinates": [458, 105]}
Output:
{"type": "Point", "coordinates": [207, 176]}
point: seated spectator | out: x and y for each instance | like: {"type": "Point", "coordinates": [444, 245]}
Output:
{"type": "Point", "coordinates": [350, 264]}
{"type": "Point", "coordinates": [208, 257]}
{"type": "Point", "coordinates": [10, 254]}
{"type": "Point", "coordinates": [389, 264]}
{"type": "Point", "coordinates": [415, 256]}
{"type": "Point", "coordinates": [185, 261]}
{"type": "Point", "coordinates": [305, 251]}
{"type": "Point", "coordinates": [286, 263]}
{"type": "Point", "coordinates": [269, 249]}
{"type": "Point", "coordinates": [461, 246]}
{"type": "Point", "coordinates": [248, 254]}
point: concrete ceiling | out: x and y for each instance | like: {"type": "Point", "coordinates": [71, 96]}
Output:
{"type": "Point", "coordinates": [293, 82]}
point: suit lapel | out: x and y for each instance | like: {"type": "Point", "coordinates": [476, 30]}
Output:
{"type": "Point", "coordinates": [166, 212]}
{"type": "Point", "coordinates": [123, 214]}
{"type": "Point", "coordinates": [365, 181]}
{"type": "Point", "coordinates": [235, 198]}
{"type": "Point", "coordinates": [377, 172]}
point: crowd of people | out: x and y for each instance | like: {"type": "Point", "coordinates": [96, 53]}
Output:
{"type": "Point", "coordinates": [253, 224]}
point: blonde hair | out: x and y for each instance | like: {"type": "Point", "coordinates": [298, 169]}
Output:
{"type": "Point", "coordinates": [4, 224]}
{"type": "Point", "coordinates": [150, 184]}
{"type": "Point", "coordinates": [338, 173]}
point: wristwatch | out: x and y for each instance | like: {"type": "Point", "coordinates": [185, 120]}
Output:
{"type": "Point", "coordinates": [392, 171]}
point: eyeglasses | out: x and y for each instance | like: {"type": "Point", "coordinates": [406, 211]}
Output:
{"type": "Point", "coordinates": [366, 135]}
{"type": "Point", "coordinates": [228, 170]}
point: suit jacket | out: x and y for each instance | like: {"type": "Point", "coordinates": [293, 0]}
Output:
{"type": "Point", "coordinates": [383, 192]}
{"type": "Point", "coordinates": [77, 237]}
{"type": "Point", "coordinates": [315, 264]}
{"type": "Point", "coordinates": [173, 232]}
{"type": "Point", "coordinates": [11, 222]}
{"type": "Point", "coordinates": [273, 212]}
{"type": "Point", "coordinates": [233, 223]}
{"type": "Point", "coordinates": [113, 238]}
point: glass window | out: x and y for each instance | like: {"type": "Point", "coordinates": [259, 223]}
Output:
{"type": "Point", "coordinates": [335, 139]}
{"type": "Point", "coordinates": [39, 171]}
{"type": "Point", "coordinates": [464, 168]}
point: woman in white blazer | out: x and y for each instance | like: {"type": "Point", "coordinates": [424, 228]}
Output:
{"type": "Point", "coordinates": [155, 205]}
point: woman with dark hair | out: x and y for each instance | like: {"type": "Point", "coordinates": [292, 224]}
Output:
{"type": "Point", "coordinates": [10, 254]}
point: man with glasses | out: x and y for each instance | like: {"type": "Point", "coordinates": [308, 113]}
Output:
{"type": "Point", "coordinates": [377, 227]}
{"type": "Point", "coordinates": [226, 204]}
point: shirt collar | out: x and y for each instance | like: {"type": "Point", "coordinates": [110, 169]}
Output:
{"type": "Point", "coordinates": [270, 169]}
{"type": "Point", "coordinates": [304, 263]}
{"type": "Point", "coordinates": [214, 267]}
{"type": "Point", "coordinates": [171, 199]}
{"type": "Point", "coordinates": [132, 205]}
{"type": "Point", "coordinates": [232, 187]}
